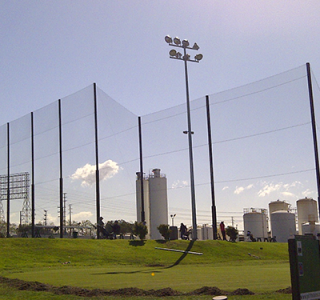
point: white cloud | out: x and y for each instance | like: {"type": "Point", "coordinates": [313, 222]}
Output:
{"type": "Point", "coordinates": [284, 189]}
{"type": "Point", "coordinates": [225, 188]}
{"type": "Point", "coordinates": [288, 194]}
{"type": "Point", "coordinates": [241, 189]}
{"type": "Point", "coordinates": [179, 184]}
{"type": "Point", "coordinates": [81, 216]}
{"type": "Point", "coordinates": [87, 174]}
{"type": "Point", "coordinates": [307, 193]}
{"type": "Point", "coordinates": [269, 188]}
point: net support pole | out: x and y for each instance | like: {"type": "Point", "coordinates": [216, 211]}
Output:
{"type": "Point", "coordinates": [143, 217]}
{"type": "Point", "coordinates": [32, 179]}
{"type": "Point", "coordinates": [97, 157]}
{"type": "Point", "coordinates": [213, 206]}
{"type": "Point", "coordinates": [8, 180]}
{"type": "Point", "coordinates": [61, 175]}
{"type": "Point", "coordinates": [314, 133]}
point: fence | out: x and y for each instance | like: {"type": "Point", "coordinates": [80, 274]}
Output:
{"type": "Point", "coordinates": [83, 150]}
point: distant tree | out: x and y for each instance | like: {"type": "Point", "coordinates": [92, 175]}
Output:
{"type": "Point", "coordinates": [140, 230]}
{"type": "Point", "coordinates": [125, 227]}
{"type": "Point", "coordinates": [165, 231]}
{"type": "Point", "coordinates": [87, 226]}
{"type": "Point", "coordinates": [232, 233]}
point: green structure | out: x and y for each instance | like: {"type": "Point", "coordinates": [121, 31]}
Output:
{"type": "Point", "coordinates": [304, 253]}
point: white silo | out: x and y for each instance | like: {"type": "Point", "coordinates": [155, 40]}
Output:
{"type": "Point", "coordinates": [278, 205]}
{"type": "Point", "coordinates": [256, 222]}
{"type": "Point", "coordinates": [283, 225]}
{"type": "Point", "coordinates": [158, 203]}
{"type": "Point", "coordinates": [307, 212]}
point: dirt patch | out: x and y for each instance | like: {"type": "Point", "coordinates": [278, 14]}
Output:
{"type": "Point", "coordinates": [207, 290]}
{"type": "Point", "coordinates": [69, 290]}
{"type": "Point", "coordinates": [241, 292]}
{"type": "Point", "coordinates": [288, 290]}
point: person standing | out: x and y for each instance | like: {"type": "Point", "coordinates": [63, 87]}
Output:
{"type": "Point", "coordinates": [183, 231]}
{"type": "Point", "coordinates": [223, 231]}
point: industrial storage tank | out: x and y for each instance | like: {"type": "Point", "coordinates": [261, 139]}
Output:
{"type": "Point", "coordinates": [283, 225]}
{"type": "Point", "coordinates": [278, 205]}
{"type": "Point", "coordinates": [311, 227]}
{"type": "Point", "coordinates": [158, 203]}
{"type": "Point", "coordinates": [256, 222]}
{"type": "Point", "coordinates": [307, 212]}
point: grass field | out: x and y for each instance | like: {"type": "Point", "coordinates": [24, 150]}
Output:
{"type": "Point", "coordinates": [262, 268]}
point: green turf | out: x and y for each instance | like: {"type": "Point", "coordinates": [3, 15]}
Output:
{"type": "Point", "coordinates": [105, 264]}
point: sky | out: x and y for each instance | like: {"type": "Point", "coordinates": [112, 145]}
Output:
{"type": "Point", "coordinates": [52, 49]}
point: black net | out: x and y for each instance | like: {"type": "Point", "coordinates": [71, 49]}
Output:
{"type": "Point", "coordinates": [261, 138]}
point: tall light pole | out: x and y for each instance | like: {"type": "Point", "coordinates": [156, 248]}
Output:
{"type": "Point", "coordinates": [176, 42]}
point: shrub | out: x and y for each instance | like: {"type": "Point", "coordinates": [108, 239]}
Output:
{"type": "Point", "coordinates": [232, 233]}
{"type": "Point", "coordinates": [140, 230]}
{"type": "Point", "coordinates": [164, 231]}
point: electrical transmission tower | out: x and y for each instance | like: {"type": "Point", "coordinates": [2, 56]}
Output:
{"type": "Point", "coordinates": [25, 214]}
{"type": "Point", "coordinates": [18, 189]}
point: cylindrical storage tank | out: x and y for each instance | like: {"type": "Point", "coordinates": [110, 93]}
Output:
{"type": "Point", "coordinates": [283, 225]}
{"type": "Point", "coordinates": [311, 227]}
{"type": "Point", "coordinates": [207, 233]}
{"type": "Point", "coordinates": [256, 223]}
{"type": "Point", "coordinates": [278, 206]}
{"type": "Point", "coordinates": [158, 203]}
{"type": "Point", "coordinates": [307, 212]}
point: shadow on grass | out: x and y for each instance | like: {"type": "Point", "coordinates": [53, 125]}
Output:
{"type": "Point", "coordinates": [137, 243]}
{"type": "Point", "coordinates": [182, 256]}
{"type": "Point", "coordinates": [124, 272]}
{"type": "Point", "coordinates": [141, 243]}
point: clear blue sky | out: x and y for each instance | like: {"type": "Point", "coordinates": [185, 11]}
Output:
{"type": "Point", "coordinates": [51, 49]}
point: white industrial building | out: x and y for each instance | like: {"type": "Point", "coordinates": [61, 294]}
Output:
{"type": "Point", "coordinates": [307, 216]}
{"type": "Point", "coordinates": [255, 221]}
{"type": "Point", "coordinates": [155, 201]}
{"type": "Point", "coordinates": [284, 222]}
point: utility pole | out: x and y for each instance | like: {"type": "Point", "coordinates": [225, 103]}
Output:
{"type": "Point", "coordinates": [64, 208]}
{"type": "Point", "coordinates": [70, 209]}
{"type": "Point", "coordinates": [45, 218]}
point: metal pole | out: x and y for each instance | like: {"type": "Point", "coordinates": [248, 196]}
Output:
{"type": "Point", "coordinates": [314, 132]}
{"type": "Point", "coordinates": [143, 216]}
{"type": "Point", "coordinates": [32, 178]}
{"type": "Point", "coordinates": [193, 200]}
{"type": "Point", "coordinates": [8, 180]}
{"type": "Point", "coordinates": [213, 206]}
{"type": "Point", "coordinates": [97, 158]}
{"type": "Point", "coordinates": [61, 179]}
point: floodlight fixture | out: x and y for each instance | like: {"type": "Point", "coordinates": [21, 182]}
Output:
{"type": "Point", "coordinates": [186, 57]}
{"type": "Point", "coordinates": [173, 52]}
{"type": "Point", "coordinates": [168, 39]}
{"type": "Point", "coordinates": [195, 46]}
{"type": "Point", "coordinates": [185, 43]}
{"type": "Point", "coordinates": [177, 41]}
{"type": "Point", "coordinates": [178, 55]}
{"type": "Point", "coordinates": [198, 57]}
